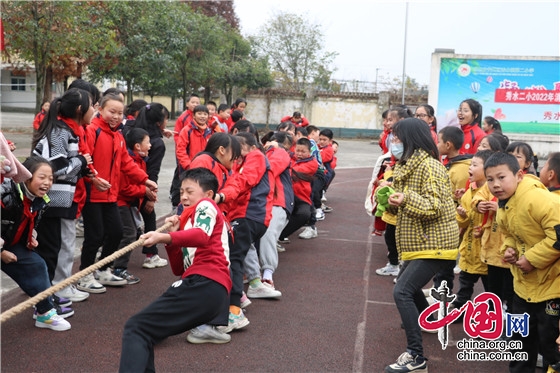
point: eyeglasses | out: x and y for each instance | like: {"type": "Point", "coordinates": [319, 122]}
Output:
{"type": "Point", "coordinates": [421, 115]}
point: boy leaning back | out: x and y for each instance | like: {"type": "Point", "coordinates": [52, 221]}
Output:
{"type": "Point", "coordinates": [529, 216]}
{"type": "Point", "coordinates": [198, 251]}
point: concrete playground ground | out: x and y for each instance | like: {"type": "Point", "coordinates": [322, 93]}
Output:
{"type": "Point", "coordinates": [335, 313]}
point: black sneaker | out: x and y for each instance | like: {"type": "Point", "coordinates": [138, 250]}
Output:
{"type": "Point", "coordinates": [63, 312]}
{"type": "Point", "coordinates": [124, 274]}
{"type": "Point", "coordinates": [408, 363]}
{"type": "Point", "coordinates": [283, 241]}
{"type": "Point", "coordinates": [60, 301]}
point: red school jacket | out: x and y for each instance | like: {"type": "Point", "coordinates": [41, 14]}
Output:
{"type": "Point", "coordinates": [185, 118]}
{"type": "Point", "coordinates": [192, 140]}
{"type": "Point", "coordinates": [303, 171]}
{"type": "Point", "coordinates": [110, 159]}
{"type": "Point", "coordinates": [249, 191]}
{"type": "Point", "coordinates": [473, 134]}
{"type": "Point", "coordinates": [280, 165]}
{"type": "Point", "coordinates": [132, 194]}
{"type": "Point", "coordinates": [210, 162]}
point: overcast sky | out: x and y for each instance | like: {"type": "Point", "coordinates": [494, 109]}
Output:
{"type": "Point", "coordinates": [370, 34]}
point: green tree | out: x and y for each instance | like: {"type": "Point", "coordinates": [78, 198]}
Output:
{"type": "Point", "coordinates": [37, 32]}
{"type": "Point", "coordinates": [294, 47]}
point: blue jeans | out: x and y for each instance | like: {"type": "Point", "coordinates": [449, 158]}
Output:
{"type": "Point", "coordinates": [30, 273]}
{"type": "Point", "coordinates": [408, 297]}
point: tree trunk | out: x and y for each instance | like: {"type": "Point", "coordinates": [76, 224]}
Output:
{"type": "Point", "coordinates": [47, 88]}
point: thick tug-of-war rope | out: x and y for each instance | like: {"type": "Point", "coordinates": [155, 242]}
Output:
{"type": "Point", "coordinates": [75, 277]}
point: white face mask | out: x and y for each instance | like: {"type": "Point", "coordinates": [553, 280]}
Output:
{"type": "Point", "coordinates": [397, 150]}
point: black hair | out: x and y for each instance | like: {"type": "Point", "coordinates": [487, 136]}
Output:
{"type": "Point", "coordinates": [302, 130]}
{"type": "Point", "coordinates": [494, 123]}
{"type": "Point", "coordinates": [431, 113]}
{"type": "Point", "coordinates": [199, 108]}
{"type": "Point", "coordinates": [227, 141]}
{"type": "Point", "coordinates": [135, 136]}
{"type": "Point", "coordinates": [296, 114]}
{"type": "Point", "coordinates": [67, 107]}
{"type": "Point", "coordinates": [304, 141]}
{"type": "Point", "coordinates": [222, 107]}
{"type": "Point", "coordinates": [283, 138]}
{"type": "Point", "coordinates": [483, 154]}
{"type": "Point", "coordinates": [454, 135]}
{"type": "Point", "coordinates": [203, 177]}
{"type": "Point", "coordinates": [312, 128]}
{"type": "Point", "coordinates": [33, 162]}
{"type": "Point", "coordinates": [113, 91]}
{"type": "Point", "coordinates": [554, 163]}
{"type": "Point", "coordinates": [327, 132]}
{"type": "Point", "coordinates": [151, 116]}
{"type": "Point", "coordinates": [286, 126]}
{"type": "Point", "coordinates": [135, 106]}
{"type": "Point", "coordinates": [236, 116]}
{"type": "Point", "coordinates": [211, 103]}
{"type": "Point", "coordinates": [247, 138]}
{"type": "Point", "coordinates": [89, 87]}
{"type": "Point", "coordinates": [244, 125]}
{"type": "Point", "coordinates": [499, 158]}
{"type": "Point", "coordinates": [476, 109]}
{"type": "Point", "coordinates": [335, 142]}
{"type": "Point", "coordinates": [237, 102]}
{"type": "Point", "coordinates": [402, 111]}
{"type": "Point", "coordinates": [414, 134]}
{"type": "Point", "coordinates": [109, 97]}
{"type": "Point", "coordinates": [385, 113]}
{"type": "Point", "coordinates": [497, 141]}
{"type": "Point", "coordinates": [526, 150]}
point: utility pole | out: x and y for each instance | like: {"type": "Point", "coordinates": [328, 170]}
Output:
{"type": "Point", "coordinates": [404, 53]}
{"type": "Point", "coordinates": [376, 74]}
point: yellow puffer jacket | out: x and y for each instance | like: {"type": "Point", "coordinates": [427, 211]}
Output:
{"type": "Point", "coordinates": [492, 236]}
{"type": "Point", "coordinates": [426, 226]}
{"type": "Point", "coordinates": [469, 250]}
{"type": "Point", "coordinates": [530, 220]}
{"type": "Point", "coordinates": [459, 174]}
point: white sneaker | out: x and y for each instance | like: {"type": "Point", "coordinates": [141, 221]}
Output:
{"type": "Point", "coordinates": [107, 278]}
{"type": "Point", "coordinates": [388, 270]}
{"type": "Point", "coordinates": [245, 302]}
{"type": "Point", "coordinates": [207, 334]}
{"type": "Point", "coordinates": [51, 320]}
{"type": "Point", "coordinates": [154, 262]}
{"type": "Point", "coordinates": [262, 290]}
{"type": "Point", "coordinates": [319, 214]}
{"type": "Point", "coordinates": [90, 285]}
{"type": "Point", "coordinates": [73, 294]}
{"type": "Point", "coordinates": [308, 233]}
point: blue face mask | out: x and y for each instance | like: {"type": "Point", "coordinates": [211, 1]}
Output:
{"type": "Point", "coordinates": [397, 150]}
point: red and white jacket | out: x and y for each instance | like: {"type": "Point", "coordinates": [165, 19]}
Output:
{"type": "Point", "coordinates": [202, 247]}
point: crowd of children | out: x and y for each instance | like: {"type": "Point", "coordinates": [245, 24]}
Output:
{"type": "Point", "coordinates": [237, 200]}
{"type": "Point", "coordinates": [505, 230]}
{"type": "Point", "coordinates": [461, 194]}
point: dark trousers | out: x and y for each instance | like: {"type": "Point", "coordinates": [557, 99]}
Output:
{"type": "Point", "coordinates": [391, 242]}
{"type": "Point", "coordinates": [408, 296]}
{"type": "Point", "coordinates": [30, 273]}
{"type": "Point", "coordinates": [500, 282]}
{"type": "Point", "coordinates": [245, 232]}
{"type": "Point", "coordinates": [149, 225]}
{"type": "Point", "coordinates": [175, 189]}
{"type": "Point", "coordinates": [129, 235]}
{"type": "Point", "coordinates": [317, 186]}
{"type": "Point", "coordinates": [49, 237]}
{"type": "Point", "coordinates": [300, 215]}
{"type": "Point", "coordinates": [543, 331]}
{"type": "Point", "coordinates": [102, 227]}
{"type": "Point", "coordinates": [466, 287]}
{"type": "Point", "coordinates": [188, 303]}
